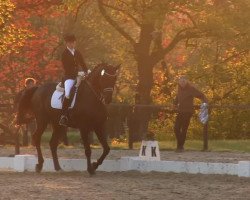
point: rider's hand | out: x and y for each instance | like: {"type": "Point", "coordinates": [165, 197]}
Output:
{"type": "Point", "coordinates": [81, 73]}
{"type": "Point", "coordinates": [204, 104]}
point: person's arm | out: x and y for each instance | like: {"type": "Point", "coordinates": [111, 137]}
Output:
{"type": "Point", "coordinates": [198, 94]}
{"type": "Point", "coordinates": [66, 64]}
{"type": "Point", "coordinates": [82, 63]}
{"type": "Point", "coordinates": [175, 103]}
{"type": "Point", "coordinates": [17, 99]}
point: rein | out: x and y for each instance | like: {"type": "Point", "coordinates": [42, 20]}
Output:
{"type": "Point", "coordinates": [99, 97]}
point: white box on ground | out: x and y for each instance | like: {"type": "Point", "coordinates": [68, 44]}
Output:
{"type": "Point", "coordinates": [110, 166]}
{"type": "Point", "coordinates": [150, 150]}
{"type": "Point", "coordinates": [6, 163]}
{"type": "Point", "coordinates": [244, 169]}
{"type": "Point", "coordinates": [21, 162]}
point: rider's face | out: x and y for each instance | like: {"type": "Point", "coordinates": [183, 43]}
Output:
{"type": "Point", "coordinates": [183, 82]}
{"type": "Point", "coordinates": [30, 85]}
{"type": "Point", "coordinates": [71, 45]}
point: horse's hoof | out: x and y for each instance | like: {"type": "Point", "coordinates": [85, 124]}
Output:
{"type": "Point", "coordinates": [59, 170]}
{"type": "Point", "coordinates": [94, 165]}
{"type": "Point", "coordinates": [38, 168]}
{"type": "Point", "coordinates": [91, 171]}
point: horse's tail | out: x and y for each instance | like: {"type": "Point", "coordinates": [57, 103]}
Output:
{"type": "Point", "coordinates": [24, 106]}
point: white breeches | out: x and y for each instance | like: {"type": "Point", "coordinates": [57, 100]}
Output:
{"type": "Point", "coordinates": [68, 84]}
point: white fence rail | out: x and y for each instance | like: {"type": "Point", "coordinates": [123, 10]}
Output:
{"type": "Point", "coordinates": [21, 163]}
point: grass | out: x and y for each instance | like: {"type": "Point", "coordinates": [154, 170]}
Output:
{"type": "Point", "coordinates": [194, 145]}
{"type": "Point", "coordinates": [197, 145]}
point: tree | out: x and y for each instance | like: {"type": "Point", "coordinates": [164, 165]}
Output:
{"type": "Point", "coordinates": [219, 65]}
{"type": "Point", "coordinates": [12, 36]}
{"type": "Point", "coordinates": [29, 55]}
{"type": "Point", "coordinates": [141, 23]}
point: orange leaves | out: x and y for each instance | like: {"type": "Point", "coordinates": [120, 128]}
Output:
{"type": "Point", "coordinates": [53, 70]}
{"type": "Point", "coordinates": [26, 45]}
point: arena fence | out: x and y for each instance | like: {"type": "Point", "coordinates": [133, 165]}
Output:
{"type": "Point", "coordinates": [129, 111]}
{"type": "Point", "coordinates": [144, 110]}
{"type": "Point", "coordinates": [22, 163]}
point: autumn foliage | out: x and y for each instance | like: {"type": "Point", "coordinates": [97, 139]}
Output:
{"type": "Point", "coordinates": [27, 45]}
{"type": "Point", "coordinates": [155, 41]}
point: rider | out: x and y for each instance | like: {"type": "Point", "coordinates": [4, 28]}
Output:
{"type": "Point", "coordinates": [73, 62]}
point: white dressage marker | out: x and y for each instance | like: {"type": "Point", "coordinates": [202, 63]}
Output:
{"type": "Point", "coordinates": [150, 151]}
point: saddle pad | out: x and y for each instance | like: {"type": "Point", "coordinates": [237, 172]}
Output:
{"type": "Point", "coordinates": [56, 100]}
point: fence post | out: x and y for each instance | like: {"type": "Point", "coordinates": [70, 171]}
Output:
{"type": "Point", "coordinates": [17, 145]}
{"type": "Point", "coordinates": [205, 137]}
{"type": "Point", "coordinates": [205, 133]}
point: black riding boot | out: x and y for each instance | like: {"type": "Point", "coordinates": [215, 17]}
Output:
{"type": "Point", "coordinates": [64, 117]}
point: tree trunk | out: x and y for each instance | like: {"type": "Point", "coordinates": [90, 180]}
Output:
{"type": "Point", "coordinates": [145, 73]}
{"type": "Point", "coordinates": [145, 84]}
{"type": "Point", "coordinates": [145, 64]}
{"type": "Point", "coordinates": [144, 89]}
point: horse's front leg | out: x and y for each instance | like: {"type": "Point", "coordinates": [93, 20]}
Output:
{"type": "Point", "coordinates": [37, 142]}
{"type": "Point", "coordinates": [106, 149]}
{"type": "Point", "coordinates": [57, 130]}
{"type": "Point", "coordinates": [85, 140]}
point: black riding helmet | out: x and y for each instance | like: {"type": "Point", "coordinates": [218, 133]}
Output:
{"type": "Point", "coordinates": [70, 38]}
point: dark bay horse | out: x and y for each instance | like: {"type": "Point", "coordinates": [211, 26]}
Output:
{"type": "Point", "coordinates": [88, 114]}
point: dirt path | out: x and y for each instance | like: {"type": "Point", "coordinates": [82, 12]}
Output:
{"type": "Point", "coordinates": [122, 186]}
{"type": "Point", "coordinates": [125, 185]}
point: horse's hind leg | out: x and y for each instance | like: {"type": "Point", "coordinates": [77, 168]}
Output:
{"type": "Point", "coordinates": [103, 140]}
{"type": "Point", "coordinates": [54, 144]}
{"type": "Point", "coordinates": [85, 140]}
{"type": "Point", "coordinates": [41, 126]}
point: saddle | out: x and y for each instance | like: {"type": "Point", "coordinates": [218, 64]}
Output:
{"type": "Point", "coordinates": [60, 85]}
{"type": "Point", "coordinates": [58, 95]}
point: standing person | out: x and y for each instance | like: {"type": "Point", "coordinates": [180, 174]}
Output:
{"type": "Point", "coordinates": [184, 105]}
{"type": "Point", "coordinates": [73, 62]}
{"type": "Point", "coordinates": [28, 83]}
{"type": "Point", "coordinates": [30, 126]}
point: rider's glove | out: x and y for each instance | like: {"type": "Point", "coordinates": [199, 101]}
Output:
{"type": "Point", "coordinates": [81, 73]}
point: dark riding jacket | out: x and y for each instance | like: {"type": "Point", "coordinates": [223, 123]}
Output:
{"type": "Point", "coordinates": [185, 98]}
{"type": "Point", "coordinates": [72, 64]}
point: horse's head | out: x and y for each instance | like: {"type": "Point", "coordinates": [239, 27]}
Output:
{"type": "Point", "coordinates": [103, 80]}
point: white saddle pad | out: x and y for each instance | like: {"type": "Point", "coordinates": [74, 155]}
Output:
{"type": "Point", "coordinates": [56, 100]}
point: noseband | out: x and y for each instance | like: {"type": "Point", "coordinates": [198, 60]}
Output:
{"type": "Point", "coordinates": [112, 75]}
{"type": "Point", "coordinates": [108, 89]}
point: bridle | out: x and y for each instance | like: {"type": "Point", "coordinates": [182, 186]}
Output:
{"type": "Point", "coordinates": [112, 75]}
{"type": "Point", "coordinates": [105, 90]}
{"type": "Point", "coordinates": [109, 89]}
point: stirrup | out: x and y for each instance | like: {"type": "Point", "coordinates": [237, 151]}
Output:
{"type": "Point", "coordinates": [63, 120]}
